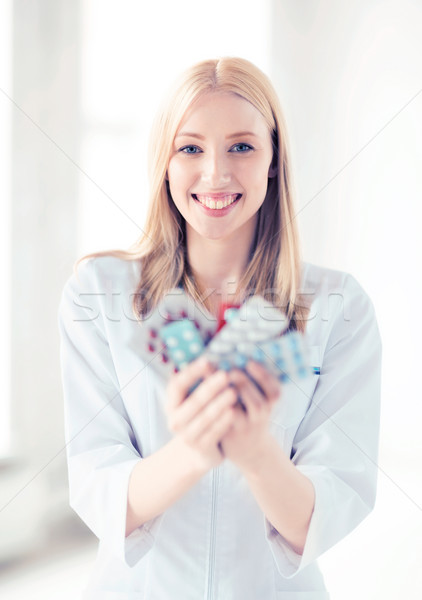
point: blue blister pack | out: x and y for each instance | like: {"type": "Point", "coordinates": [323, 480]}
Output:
{"type": "Point", "coordinates": [183, 342]}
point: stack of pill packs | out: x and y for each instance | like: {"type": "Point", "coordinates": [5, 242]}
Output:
{"type": "Point", "coordinates": [179, 330]}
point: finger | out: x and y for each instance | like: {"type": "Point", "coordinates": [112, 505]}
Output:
{"type": "Point", "coordinates": [269, 384]}
{"type": "Point", "coordinates": [201, 429]}
{"type": "Point", "coordinates": [180, 383]}
{"type": "Point", "coordinates": [205, 393]}
{"type": "Point", "coordinates": [246, 387]}
{"type": "Point", "coordinates": [251, 398]}
{"type": "Point", "coordinates": [219, 428]}
{"type": "Point", "coordinates": [249, 377]}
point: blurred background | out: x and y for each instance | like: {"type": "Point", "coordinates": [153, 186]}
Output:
{"type": "Point", "coordinates": [79, 85]}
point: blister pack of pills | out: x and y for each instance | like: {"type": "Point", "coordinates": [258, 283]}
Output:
{"type": "Point", "coordinates": [179, 331]}
{"type": "Point", "coordinates": [256, 331]}
{"type": "Point", "coordinates": [183, 342]}
{"type": "Point", "coordinates": [175, 333]}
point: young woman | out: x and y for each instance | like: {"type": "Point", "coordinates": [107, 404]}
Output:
{"type": "Point", "coordinates": [191, 496]}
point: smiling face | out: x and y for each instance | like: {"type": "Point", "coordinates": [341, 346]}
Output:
{"type": "Point", "coordinates": [219, 167]}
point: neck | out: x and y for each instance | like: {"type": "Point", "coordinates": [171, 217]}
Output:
{"type": "Point", "coordinates": [217, 266]}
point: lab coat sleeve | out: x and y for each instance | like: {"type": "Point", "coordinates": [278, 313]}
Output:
{"type": "Point", "coordinates": [336, 444]}
{"type": "Point", "coordinates": [100, 444]}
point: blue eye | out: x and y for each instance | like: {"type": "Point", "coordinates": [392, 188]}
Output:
{"type": "Point", "coordinates": [241, 148]}
{"type": "Point", "coordinates": [190, 150]}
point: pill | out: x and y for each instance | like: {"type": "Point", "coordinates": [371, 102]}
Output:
{"type": "Point", "coordinates": [258, 354]}
{"type": "Point", "coordinates": [297, 357]}
{"type": "Point", "coordinates": [221, 346]}
{"type": "Point", "coordinates": [240, 361]}
{"type": "Point", "coordinates": [246, 348]}
{"type": "Point", "coordinates": [195, 348]}
{"type": "Point", "coordinates": [257, 335]}
{"type": "Point", "coordinates": [224, 365]}
{"type": "Point", "coordinates": [188, 334]}
{"type": "Point", "coordinates": [274, 349]}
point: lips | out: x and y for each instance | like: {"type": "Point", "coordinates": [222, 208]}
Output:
{"type": "Point", "coordinates": [216, 201]}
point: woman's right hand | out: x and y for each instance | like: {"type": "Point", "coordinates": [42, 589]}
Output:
{"type": "Point", "coordinates": [203, 417]}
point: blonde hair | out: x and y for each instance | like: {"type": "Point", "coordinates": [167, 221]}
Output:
{"type": "Point", "coordinates": [274, 270]}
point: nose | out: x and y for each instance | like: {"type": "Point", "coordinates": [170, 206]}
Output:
{"type": "Point", "coordinates": [216, 170]}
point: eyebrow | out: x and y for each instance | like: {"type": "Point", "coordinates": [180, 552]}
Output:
{"type": "Point", "coordinates": [228, 137]}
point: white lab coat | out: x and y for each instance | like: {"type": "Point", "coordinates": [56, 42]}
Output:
{"type": "Point", "coordinates": [215, 542]}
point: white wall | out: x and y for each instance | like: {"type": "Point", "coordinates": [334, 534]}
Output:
{"type": "Point", "coordinates": [5, 162]}
{"type": "Point", "coordinates": [350, 78]}
{"type": "Point", "coordinates": [43, 120]}
{"type": "Point", "coordinates": [132, 51]}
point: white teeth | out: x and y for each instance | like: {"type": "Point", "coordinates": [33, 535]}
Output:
{"type": "Point", "coordinates": [219, 204]}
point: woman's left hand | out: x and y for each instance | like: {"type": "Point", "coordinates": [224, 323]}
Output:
{"type": "Point", "coordinates": [250, 433]}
